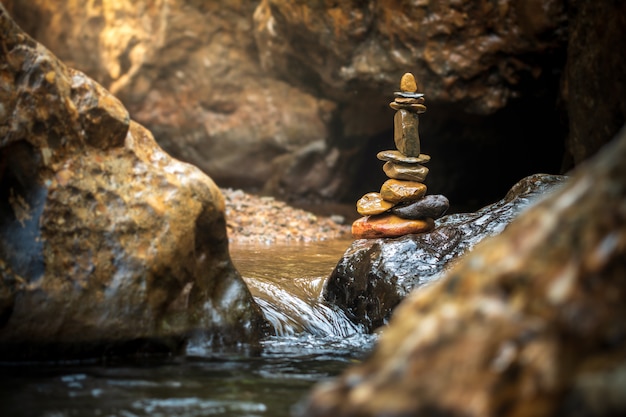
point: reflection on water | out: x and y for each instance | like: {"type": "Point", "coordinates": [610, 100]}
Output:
{"type": "Point", "coordinates": [287, 282]}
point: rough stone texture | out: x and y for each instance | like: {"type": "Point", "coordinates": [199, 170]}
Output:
{"type": "Point", "coordinates": [300, 87]}
{"type": "Point", "coordinates": [594, 76]}
{"type": "Point", "coordinates": [373, 276]}
{"type": "Point", "coordinates": [107, 244]}
{"type": "Point", "coordinates": [529, 324]}
{"type": "Point", "coordinates": [459, 51]}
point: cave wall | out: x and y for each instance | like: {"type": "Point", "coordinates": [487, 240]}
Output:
{"type": "Point", "coordinates": [291, 97]}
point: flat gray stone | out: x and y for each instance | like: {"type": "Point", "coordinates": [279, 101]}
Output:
{"type": "Point", "coordinates": [397, 156]}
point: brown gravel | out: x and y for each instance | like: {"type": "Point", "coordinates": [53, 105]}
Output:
{"type": "Point", "coordinates": [251, 218]}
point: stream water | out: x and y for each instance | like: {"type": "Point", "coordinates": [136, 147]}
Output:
{"type": "Point", "coordinates": [314, 342]}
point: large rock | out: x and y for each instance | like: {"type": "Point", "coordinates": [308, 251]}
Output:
{"type": "Point", "coordinates": [374, 275]}
{"type": "Point", "coordinates": [530, 323]}
{"type": "Point", "coordinates": [107, 244]}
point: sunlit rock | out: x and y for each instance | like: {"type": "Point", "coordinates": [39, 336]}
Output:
{"type": "Point", "coordinates": [375, 275]}
{"type": "Point", "coordinates": [107, 244]}
{"type": "Point", "coordinates": [530, 323]}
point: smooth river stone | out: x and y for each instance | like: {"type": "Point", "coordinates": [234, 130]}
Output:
{"type": "Point", "coordinates": [406, 132]}
{"type": "Point", "coordinates": [408, 83]}
{"type": "Point", "coordinates": [430, 206]}
{"type": "Point", "coordinates": [389, 225]}
{"type": "Point", "coordinates": [405, 172]}
{"type": "Point", "coordinates": [396, 156]}
{"type": "Point", "coordinates": [372, 203]}
{"type": "Point", "coordinates": [397, 191]}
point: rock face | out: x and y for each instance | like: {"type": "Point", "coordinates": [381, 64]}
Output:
{"type": "Point", "coordinates": [295, 91]}
{"type": "Point", "coordinates": [455, 46]}
{"type": "Point", "coordinates": [107, 244]}
{"type": "Point", "coordinates": [374, 275]}
{"type": "Point", "coordinates": [596, 111]}
{"type": "Point", "coordinates": [188, 70]}
{"type": "Point", "coordinates": [528, 324]}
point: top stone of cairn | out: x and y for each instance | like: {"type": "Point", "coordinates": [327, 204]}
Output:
{"type": "Point", "coordinates": [408, 83]}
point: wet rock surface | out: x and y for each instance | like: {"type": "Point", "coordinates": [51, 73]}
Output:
{"type": "Point", "coordinates": [530, 323]}
{"type": "Point", "coordinates": [107, 244]}
{"type": "Point", "coordinates": [374, 275]}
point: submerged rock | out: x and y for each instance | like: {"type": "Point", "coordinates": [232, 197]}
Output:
{"type": "Point", "coordinates": [531, 323]}
{"type": "Point", "coordinates": [375, 275]}
{"type": "Point", "coordinates": [107, 244]}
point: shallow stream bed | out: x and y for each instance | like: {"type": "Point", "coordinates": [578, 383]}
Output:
{"type": "Point", "coordinates": [315, 342]}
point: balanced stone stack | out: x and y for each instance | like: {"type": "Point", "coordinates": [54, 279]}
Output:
{"type": "Point", "coordinates": [402, 206]}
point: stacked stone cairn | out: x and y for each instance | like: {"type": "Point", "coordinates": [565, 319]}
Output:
{"type": "Point", "coordinates": [402, 206]}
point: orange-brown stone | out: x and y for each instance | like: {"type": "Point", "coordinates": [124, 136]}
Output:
{"type": "Point", "coordinates": [389, 225]}
{"type": "Point", "coordinates": [408, 83]}
{"type": "Point", "coordinates": [398, 191]}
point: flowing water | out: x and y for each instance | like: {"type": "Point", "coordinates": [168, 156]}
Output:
{"type": "Point", "coordinates": [314, 342]}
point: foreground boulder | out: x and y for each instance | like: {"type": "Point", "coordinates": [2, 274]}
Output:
{"type": "Point", "coordinates": [531, 323]}
{"type": "Point", "coordinates": [374, 275]}
{"type": "Point", "coordinates": [107, 245]}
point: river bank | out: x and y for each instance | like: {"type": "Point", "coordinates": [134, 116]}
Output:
{"type": "Point", "coordinates": [259, 219]}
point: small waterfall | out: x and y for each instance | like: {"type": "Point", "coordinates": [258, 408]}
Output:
{"type": "Point", "coordinates": [292, 312]}
{"type": "Point", "coordinates": [287, 281]}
